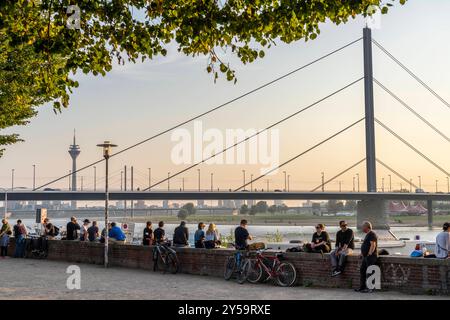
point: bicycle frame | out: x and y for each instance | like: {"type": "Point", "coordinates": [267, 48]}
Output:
{"type": "Point", "coordinates": [275, 261]}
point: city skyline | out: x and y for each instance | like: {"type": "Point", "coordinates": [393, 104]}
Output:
{"type": "Point", "coordinates": [100, 106]}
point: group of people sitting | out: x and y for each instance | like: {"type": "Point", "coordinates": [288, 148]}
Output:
{"type": "Point", "coordinates": [208, 239]}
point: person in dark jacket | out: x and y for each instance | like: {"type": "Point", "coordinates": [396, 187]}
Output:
{"type": "Point", "coordinates": [148, 236]}
{"type": "Point", "coordinates": [199, 236]}
{"type": "Point", "coordinates": [72, 229]}
{"type": "Point", "coordinates": [320, 240]}
{"type": "Point", "coordinates": [344, 246]}
{"type": "Point", "coordinates": [181, 235]}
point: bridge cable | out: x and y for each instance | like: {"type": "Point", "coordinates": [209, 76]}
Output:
{"type": "Point", "coordinates": [403, 103]}
{"type": "Point", "coordinates": [256, 133]}
{"type": "Point", "coordinates": [392, 132]}
{"type": "Point", "coordinates": [267, 84]}
{"type": "Point", "coordinates": [411, 73]}
{"type": "Point", "coordinates": [338, 175]}
{"type": "Point", "coordinates": [301, 154]}
{"type": "Point", "coordinates": [397, 174]}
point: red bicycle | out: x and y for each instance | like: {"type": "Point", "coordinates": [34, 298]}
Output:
{"type": "Point", "coordinates": [264, 268]}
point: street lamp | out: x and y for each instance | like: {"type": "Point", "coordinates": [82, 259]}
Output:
{"type": "Point", "coordinates": [390, 183]}
{"type": "Point", "coordinates": [288, 183]}
{"type": "Point", "coordinates": [323, 181]}
{"type": "Point", "coordinates": [382, 184]}
{"type": "Point", "coordinates": [357, 179]}
{"type": "Point", "coordinates": [243, 177]}
{"type": "Point", "coordinates": [354, 189]}
{"type": "Point", "coordinates": [149, 178]}
{"type": "Point", "coordinates": [285, 181]}
{"type": "Point", "coordinates": [95, 178]}
{"type": "Point", "coordinates": [34, 177]}
{"type": "Point", "coordinates": [107, 147]}
{"type": "Point", "coordinates": [12, 179]}
{"type": "Point", "coordinates": [212, 175]}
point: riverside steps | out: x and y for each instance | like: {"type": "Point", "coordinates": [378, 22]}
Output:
{"type": "Point", "coordinates": [398, 273]}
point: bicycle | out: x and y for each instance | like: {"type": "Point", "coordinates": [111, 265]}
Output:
{"type": "Point", "coordinates": [165, 258]}
{"type": "Point", "coordinates": [264, 268]}
{"type": "Point", "coordinates": [236, 264]}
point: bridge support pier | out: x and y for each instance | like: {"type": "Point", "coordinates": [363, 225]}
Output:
{"type": "Point", "coordinates": [373, 211]}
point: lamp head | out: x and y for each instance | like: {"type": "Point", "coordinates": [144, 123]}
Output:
{"type": "Point", "coordinates": [107, 148]}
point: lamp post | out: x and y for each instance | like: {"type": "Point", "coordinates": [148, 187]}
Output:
{"type": "Point", "coordinates": [288, 183]}
{"type": "Point", "coordinates": [243, 177]}
{"type": "Point", "coordinates": [420, 182]}
{"type": "Point", "coordinates": [12, 179]}
{"type": "Point", "coordinates": [390, 183]}
{"type": "Point", "coordinates": [95, 178]}
{"type": "Point", "coordinates": [34, 177]}
{"type": "Point", "coordinates": [107, 146]}
{"type": "Point", "coordinates": [323, 181]}
{"type": "Point", "coordinates": [149, 178]}
{"type": "Point", "coordinates": [354, 189]}
{"type": "Point", "coordinates": [285, 181]}
{"type": "Point", "coordinates": [340, 186]}
{"type": "Point", "coordinates": [168, 181]}
{"type": "Point", "coordinates": [357, 180]}
{"type": "Point", "coordinates": [267, 182]}
{"type": "Point", "coordinates": [212, 177]}
{"type": "Point", "coordinates": [382, 184]}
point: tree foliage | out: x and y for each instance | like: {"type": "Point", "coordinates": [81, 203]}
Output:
{"type": "Point", "coordinates": [39, 54]}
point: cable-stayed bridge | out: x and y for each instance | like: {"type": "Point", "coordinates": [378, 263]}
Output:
{"type": "Point", "coordinates": [371, 205]}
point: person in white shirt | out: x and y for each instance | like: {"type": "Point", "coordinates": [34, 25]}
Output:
{"type": "Point", "coordinates": [443, 242]}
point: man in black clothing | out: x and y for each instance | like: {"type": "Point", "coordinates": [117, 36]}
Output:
{"type": "Point", "coordinates": [159, 232]}
{"type": "Point", "coordinates": [181, 235]}
{"type": "Point", "coordinates": [241, 236]}
{"type": "Point", "coordinates": [147, 238]}
{"type": "Point", "coordinates": [344, 246]}
{"type": "Point", "coordinates": [369, 254]}
{"type": "Point", "coordinates": [72, 229]}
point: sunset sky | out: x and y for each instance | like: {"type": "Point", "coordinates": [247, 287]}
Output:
{"type": "Point", "coordinates": [134, 102]}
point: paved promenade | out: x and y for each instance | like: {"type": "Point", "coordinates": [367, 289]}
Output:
{"type": "Point", "coordinates": [42, 279]}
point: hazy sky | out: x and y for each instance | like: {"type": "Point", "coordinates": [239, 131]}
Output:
{"type": "Point", "coordinates": [134, 102]}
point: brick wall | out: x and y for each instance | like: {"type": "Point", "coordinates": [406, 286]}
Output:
{"type": "Point", "coordinates": [411, 275]}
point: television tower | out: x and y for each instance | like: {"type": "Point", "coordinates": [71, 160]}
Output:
{"type": "Point", "coordinates": [74, 151]}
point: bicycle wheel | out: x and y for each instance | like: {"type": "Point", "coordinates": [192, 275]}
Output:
{"type": "Point", "coordinates": [243, 271]}
{"type": "Point", "coordinates": [286, 274]}
{"type": "Point", "coordinates": [255, 271]}
{"type": "Point", "coordinates": [172, 263]}
{"type": "Point", "coordinates": [229, 267]}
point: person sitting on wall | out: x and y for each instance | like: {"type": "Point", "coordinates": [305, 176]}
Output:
{"type": "Point", "coordinates": [442, 243]}
{"type": "Point", "coordinates": [345, 245]}
{"type": "Point", "coordinates": [72, 229]}
{"type": "Point", "coordinates": [199, 236]}
{"type": "Point", "coordinates": [159, 233]}
{"type": "Point", "coordinates": [116, 234]}
{"type": "Point", "coordinates": [148, 236]}
{"type": "Point", "coordinates": [241, 236]}
{"type": "Point", "coordinates": [320, 242]}
{"type": "Point", "coordinates": [181, 235]}
{"type": "Point", "coordinates": [211, 237]}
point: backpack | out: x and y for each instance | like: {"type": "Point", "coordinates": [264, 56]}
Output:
{"type": "Point", "coordinates": [55, 231]}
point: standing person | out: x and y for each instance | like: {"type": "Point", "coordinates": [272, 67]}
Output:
{"type": "Point", "coordinates": [5, 233]}
{"type": "Point", "coordinates": [442, 243]}
{"type": "Point", "coordinates": [72, 229]}
{"type": "Point", "coordinates": [369, 254]}
{"type": "Point", "coordinates": [211, 237]}
{"type": "Point", "coordinates": [84, 230]}
{"type": "Point", "coordinates": [181, 235]}
{"type": "Point", "coordinates": [321, 242]}
{"type": "Point", "coordinates": [148, 237]}
{"type": "Point", "coordinates": [116, 234]}
{"type": "Point", "coordinates": [93, 232]}
{"type": "Point", "coordinates": [20, 233]}
{"type": "Point", "coordinates": [345, 245]}
{"type": "Point", "coordinates": [199, 236]}
{"type": "Point", "coordinates": [241, 236]}
{"type": "Point", "coordinates": [159, 233]}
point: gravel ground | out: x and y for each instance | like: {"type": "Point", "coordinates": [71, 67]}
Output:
{"type": "Point", "coordinates": [42, 279]}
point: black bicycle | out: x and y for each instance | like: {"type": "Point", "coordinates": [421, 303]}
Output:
{"type": "Point", "coordinates": [237, 264]}
{"type": "Point", "coordinates": [165, 258]}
